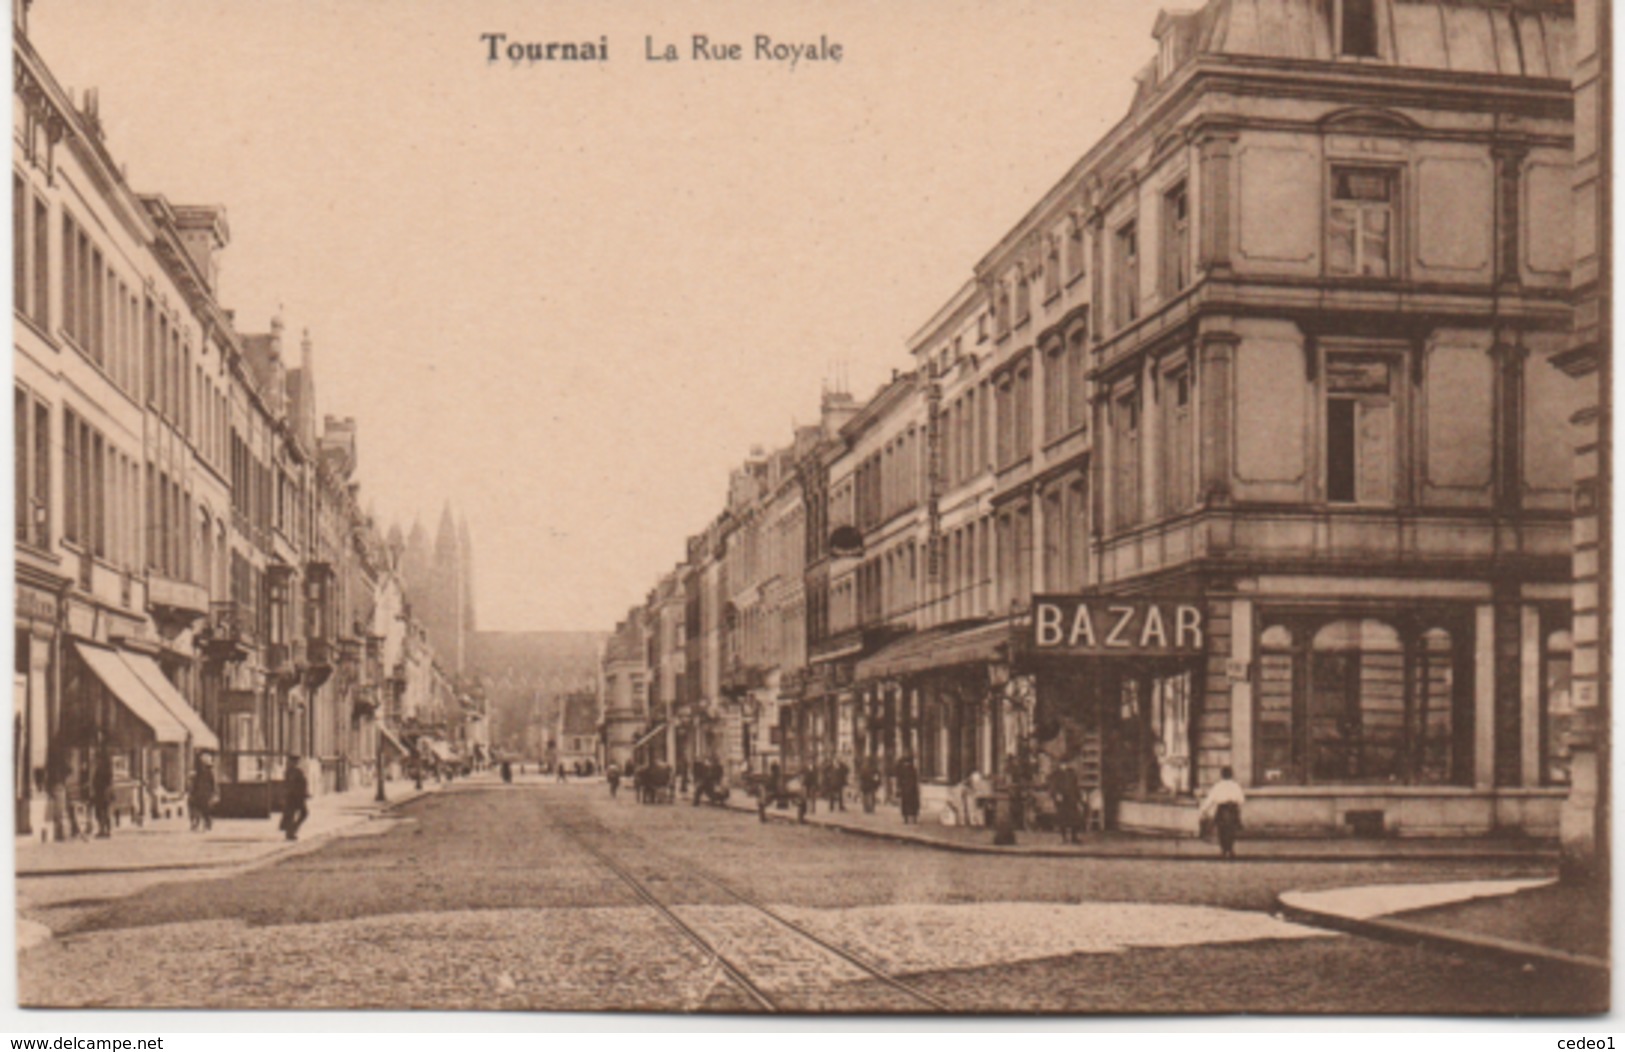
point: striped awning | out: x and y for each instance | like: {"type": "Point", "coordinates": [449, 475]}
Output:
{"type": "Point", "coordinates": [147, 671]}
{"type": "Point", "coordinates": [121, 681]}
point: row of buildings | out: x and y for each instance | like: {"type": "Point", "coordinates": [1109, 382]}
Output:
{"type": "Point", "coordinates": [194, 569]}
{"type": "Point", "coordinates": [1249, 445]}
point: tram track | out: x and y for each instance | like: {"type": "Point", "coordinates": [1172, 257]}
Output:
{"type": "Point", "coordinates": [579, 832]}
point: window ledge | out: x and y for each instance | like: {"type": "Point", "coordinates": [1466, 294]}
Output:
{"type": "Point", "coordinates": [36, 328]}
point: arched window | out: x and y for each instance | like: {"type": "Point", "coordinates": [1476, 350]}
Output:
{"type": "Point", "coordinates": [1557, 704]}
{"type": "Point", "coordinates": [1276, 746]}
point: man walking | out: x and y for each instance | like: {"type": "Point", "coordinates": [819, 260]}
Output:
{"type": "Point", "coordinates": [296, 793]}
{"type": "Point", "coordinates": [101, 794]}
{"type": "Point", "coordinates": [835, 784]}
{"type": "Point", "coordinates": [203, 791]}
{"type": "Point", "coordinates": [1223, 804]}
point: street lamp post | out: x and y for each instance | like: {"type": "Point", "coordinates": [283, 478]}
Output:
{"type": "Point", "coordinates": [378, 751]}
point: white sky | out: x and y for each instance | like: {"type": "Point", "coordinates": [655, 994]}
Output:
{"type": "Point", "coordinates": [569, 297]}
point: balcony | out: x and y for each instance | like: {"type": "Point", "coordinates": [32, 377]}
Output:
{"type": "Point", "coordinates": [176, 604]}
{"type": "Point", "coordinates": [285, 660]}
{"type": "Point", "coordinates": [319, 660]}
{"type": "Point", "coordinates": [231, 633]}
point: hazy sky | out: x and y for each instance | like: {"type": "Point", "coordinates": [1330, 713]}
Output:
{"type": "Point", "coordinates": [568, 297]}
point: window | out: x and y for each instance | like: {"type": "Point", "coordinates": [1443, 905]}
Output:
{"type": "Point", "coordinates": [1054, 544]}
{"type": "Point", "coordinates": [1126, 458]}
{"type": "Point", "coordinates": [1360, 700]}
{"type": "Point", "coordinates": [1360, 452]}
{"type": "Point", "coordinates": [1001, 311]}
{"type": "Point", "coordinates": [1074, 249]}
{"type": "Point", "coordinates": [19, 243]}
{"type": "Point", "coordinates": [1360, 222]}
{"type": "Point", "coordinates": [1357, 28]}
{"type": "Point", "coordinates": [1055, 392]}
{"type": "Point", "coordinates": [1024, 298]}
{"type": "Point", "coordinates": [42, 263]}
{"type": "Point", "coordinates": [1176, 240]}
{"type": "Point", "coordinates": [1023, 396]}
{"type": "Point", "coordinates": [70, 476]}
{"type": "Point", "coordinates": [1557, 704]}
{"type": "Point", "coordinates": [1077, 367]}
{"type": "Point", "coordinates": [1126, 277]}
{"type": "Point", "coordinates": [70, 290]}
{"type": "Point", "coordinates": [1176, 446]}
{"type": "Point", "coordinates": [1052, 268]}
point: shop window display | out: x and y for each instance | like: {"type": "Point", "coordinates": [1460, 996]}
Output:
{"type": "Point", "coordinates": [1359, 701]}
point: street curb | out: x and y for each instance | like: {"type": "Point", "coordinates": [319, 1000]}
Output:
{"type": "Point", "coordinates": [1212, 855]}
{"type": "Point", "coordinates": [1408, 933]}
{"type": "Point", "coordinates": [280, 851]}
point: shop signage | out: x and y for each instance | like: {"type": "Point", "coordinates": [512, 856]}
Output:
{"type": "Point", "coordinates": [1104, 626]}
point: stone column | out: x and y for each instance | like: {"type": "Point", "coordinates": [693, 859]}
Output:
{"type": "Point", "coordinates": [1241, 690]}
{"type": "Point", "coordinates": [1484, 697]}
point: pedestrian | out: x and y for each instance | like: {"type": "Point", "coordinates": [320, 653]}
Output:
{"type": "Point", "coordinates": [507, 771]}
{"type": "Point", "coordinates": [1068, 796]}
{"type": "Point", "coordinates": [908, 788]}
{"type": "Point", "coordinates": [612, 775]}
{"type": "Point", "coordinates": [1223, 806]}
{"type": "Point", "coordinates": [809, 788]}
{"type": "Point", "coordinates": [101, 794]}
{"type": "Point", "coordinates": [869, 783]}
{"type": "Point", "coordinates": [204, 792]}
{"type": "Point", "coordinates": [772, 790]}
{"type": "Point", "coordinates": [835, 786]}
{"type": "Point", "coordinates": [295, 793]}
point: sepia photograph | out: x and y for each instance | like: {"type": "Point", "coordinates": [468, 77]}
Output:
{"type": "Point", "coordinates": [1070, 510]}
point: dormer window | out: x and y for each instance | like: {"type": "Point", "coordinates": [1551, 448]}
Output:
{"type": "Point", "coordinates": [1357, 28]}
{"type": "Point", "coordinates": [1167, 56]}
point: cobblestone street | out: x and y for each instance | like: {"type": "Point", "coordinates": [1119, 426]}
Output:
{"type": "Point", "coordinates": [483, 897]}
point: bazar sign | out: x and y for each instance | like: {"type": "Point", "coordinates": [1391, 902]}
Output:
{"type": "Point", "coordinates": [1124, 627]}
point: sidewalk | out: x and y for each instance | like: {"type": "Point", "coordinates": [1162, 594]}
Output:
{"type": "Point", "coordinates": [886, 824]}
{"type": "Point", "coordinates": [172, 845]}
{"type": "Point", "coordinates": [1536, 923]}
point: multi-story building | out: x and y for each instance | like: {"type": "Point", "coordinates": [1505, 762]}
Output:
{"type": "Point", "coordinates": [188, 549]}
{"type": "Point", "coordinates": [624, 689]}
{"type": "Point", "coordinates": [1244, 447]}
{"type": "Point", "coordinates": [1589, 361]}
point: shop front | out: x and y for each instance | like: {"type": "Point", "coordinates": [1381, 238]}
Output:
{"type": "Point", "coordinates": [1404, 714]}
{"type": "Point", "coordinates": [34, 676]}
{"type": "Point", "coordinates": [1118, 685]}
{"type": "Point", "coordinates": [108, 710]}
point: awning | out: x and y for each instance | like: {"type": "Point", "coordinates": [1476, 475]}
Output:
{"type": "Point", "coordinates": [147, 671]}
{"type": "Point", "coordinates": [937, 648]}
{"type": "Point", "coordinates": [122, 683]}
{"type": "Point", "coordinates": [659, 729]}
{"type": "Point", "coordinates": [393, 739]}
{"type": "Point", "coordinates": [441, 751]}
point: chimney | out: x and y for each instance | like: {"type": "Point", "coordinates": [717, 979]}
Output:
{"type": "Point", "coordinates": [835, 409]}
{"type": "Point", "coordinates": [203, 232]}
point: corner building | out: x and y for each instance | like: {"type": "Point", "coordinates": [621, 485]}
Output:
{"type": "Point", "coordinates": [1330, 256]}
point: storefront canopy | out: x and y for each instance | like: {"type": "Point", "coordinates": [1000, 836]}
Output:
{"type": "Point", "coordinates": [147, 671]}
{"type": "Point", "coordinates": [659, 729]}
{"type": "Point", "coordinates": [937, 648]}
{"type": "Point", "coordinates": [441, 751]}
{"type": "Point", "coordinates": [121, 681]}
